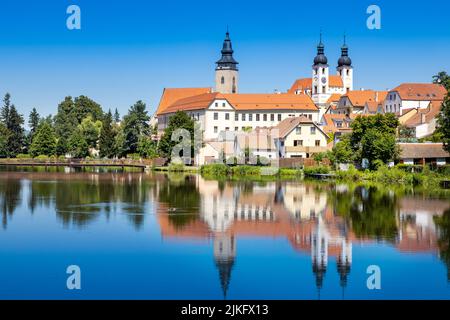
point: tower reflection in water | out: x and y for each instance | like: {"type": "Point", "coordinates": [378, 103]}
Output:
{"type": "Point", "coordinates": [323, 220]}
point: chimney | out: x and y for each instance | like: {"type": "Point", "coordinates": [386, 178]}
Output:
{"type": "Point", "coordinates": [422, 118]}
{"type": "Point", "coordinates": [376, 96]}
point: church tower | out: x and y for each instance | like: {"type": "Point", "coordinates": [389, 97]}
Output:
{"type": "Point", "coordinates": [320, 76]}
{"type": "Point", "coordinates": [224, 255]}
{"type": "Point", "coordinates": [227, 74]}
{"type": "Point", "coordinates": [345, 69]}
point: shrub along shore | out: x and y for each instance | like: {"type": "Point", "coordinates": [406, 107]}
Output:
{"type": "Point", "coordinates": [400, 174]}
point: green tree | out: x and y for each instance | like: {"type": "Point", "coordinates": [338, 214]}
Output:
{"type": "Point", "coordinates": [179, 120]}
{"type": "Point", "coordinates": [107, 137]}
{"type": "Point", "coordinates": [33, 121]}
{"type": "Point", "coordinates": [119, 142]}
{"type": "Point", "coordinates": [406, 134]}
{"type": "Point", "coordinates": [13, 121]}
{"type": "Point", "coordinates": [3, 141]}
{"type": "Point", "coordinates": [71, 113]}
{"type": "Point", "coordinates": [65, 124]}
{"type": "Point", "coordinates": [342, 151]}
{"type": "Point", "coordinates": [135, 125]}
{"type": "Point", "coordinates": [4, 113]}
{"type": "Point", "coordinates": [147, 148]}
{"type": "Point", "coordinates": [443, 128]}
{"type": "Point", "coordinates": [90, 130]}
{"type": "Point", "coordinates": [442, 78]}
{"type": "Point", "coordinates": [377, 145]}
{"type": "Point", "coordinates": [84, 107]}
{"type": "Point", "coordinates": [62, 146]}
{"type": "Point", "coordinates": [77, 145]}
{"type": "Point", "coordinates": [44, 141]}
{"type": "Point", "coordinates": [16, 137]}
{"type": "Point", "coordinates": [116, 116]}
{"type": "Point", "coordinates": [378, 126]}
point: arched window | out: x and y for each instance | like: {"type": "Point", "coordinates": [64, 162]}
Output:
{"type": "Point", "coordinates": [348, 72]}
{"type": "Point", "coordinates": [234, 85]}
{"type": "Point", "coordinates": [222, 80]}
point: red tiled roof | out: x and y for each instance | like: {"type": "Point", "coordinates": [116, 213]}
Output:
{"type": "Point", "coordinates": [424, 115]}
{"type": "Point", "coordinates": [171, 95]}
{"type": "Point", "coordinates": [358, 98]}
{"type": "Point", "coordinates": [306, 83]}
{"type": "Point", "coordinates": [335, 81]}
{"type": "Point", "coordinates": [198, 102]}
{"type": "Point", "coordinates": [283, 101]}
{"type": "Point", "coordinates": [422, 150]}
{"type": "Point", "coordinates": [301, 84]}
{"type": "Point", "coordinates": [421, 91]}
{"type": "Point", "coordinates": [334, 98]}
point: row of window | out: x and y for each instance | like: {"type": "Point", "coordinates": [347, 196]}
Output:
{"type": "Point", "coordinates": [216, 129]}
{"type": "Point", "coordinates": [393, 108]}
{"type": "Point", "coordinates": [299, 143]}
{"type": "Point", "coordinates": [312, 130]}
{"type": "Point", "coordinates": [258, 117]}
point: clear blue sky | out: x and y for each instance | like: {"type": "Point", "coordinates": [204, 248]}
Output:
{"type": "Point", "coordinates": [130, 50]}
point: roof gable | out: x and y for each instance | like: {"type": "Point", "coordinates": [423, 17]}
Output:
{"type": "Point", "coordinates": [420, 91]}
{"type": "Point", "coordinates": [171, 95]}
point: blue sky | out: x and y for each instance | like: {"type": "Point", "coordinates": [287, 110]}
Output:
{"type": "Point", "coordinates": [130, 50]}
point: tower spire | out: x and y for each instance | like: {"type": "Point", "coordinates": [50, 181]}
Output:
{"type": "Point", "coordinates": [227, 61]}
{"type": "Point", "coordinates": [226, 70]}
{"type": "Point", "coordinates": [344, 60]}
{"type": "Point", "coordinates": [320, 58]}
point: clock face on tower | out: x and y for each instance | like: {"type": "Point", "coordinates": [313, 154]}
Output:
{"type": "Point", "coordinates": [324, 80]}
{"type": "Point", "coordinates": [316, 78]}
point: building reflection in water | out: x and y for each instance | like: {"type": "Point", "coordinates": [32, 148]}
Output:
{"type": "Point", "coordinates": [324, 221]}
{"type": "Point", "coordinates": [307, 216]}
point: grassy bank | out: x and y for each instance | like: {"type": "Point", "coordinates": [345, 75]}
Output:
{"type": "Point", "coordinates": [397, 175]}
{"type": "Point", "coordinates": [400, 175]}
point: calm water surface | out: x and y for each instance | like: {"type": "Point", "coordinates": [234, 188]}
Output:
{"type": "Point", "coordinates": [153, 236]}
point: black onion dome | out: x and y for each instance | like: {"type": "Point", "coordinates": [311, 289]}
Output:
{"type": "Point", "coordinates": [320, 58]}
{"type": "Point", "coordinates": [344, 60]}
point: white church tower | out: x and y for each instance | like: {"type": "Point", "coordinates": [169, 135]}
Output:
{"type": "Point", "coordinates": [345, 69]}
{"type": "Point", "coordinates": [227, 73]}
{"type": "Point", "coordinates": [320, 77]}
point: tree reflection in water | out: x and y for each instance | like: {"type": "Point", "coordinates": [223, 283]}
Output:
{"type": "Point", "coordinates": [319, 218]}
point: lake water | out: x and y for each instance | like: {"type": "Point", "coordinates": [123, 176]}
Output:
{"type": "Point", "coordinates": [154, 236]}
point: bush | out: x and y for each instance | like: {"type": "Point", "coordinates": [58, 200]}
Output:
{"type": "Point", "coordinates": [42, 158]}
{"type": "Point", "coordinates": [216, 170]}
{"type": "Point", "coordinates": [289, 172]}
{"type": "Point", "coordinates": [393, 175]}
{"type": "Point", "coordinates": [176, 166]}
{"type": "Point", "coordinates": [316, 170]}
{"type": "Point", "coordinates": [246, 171]}
{"type": "Point", "coordinates": [351, 174]}
{"type": "Point", "coordinates": [444, 170]}
{"type": "Point", "coordinates": [23, 156]}
{"type": "Point", "coordinates": [410, 167]}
